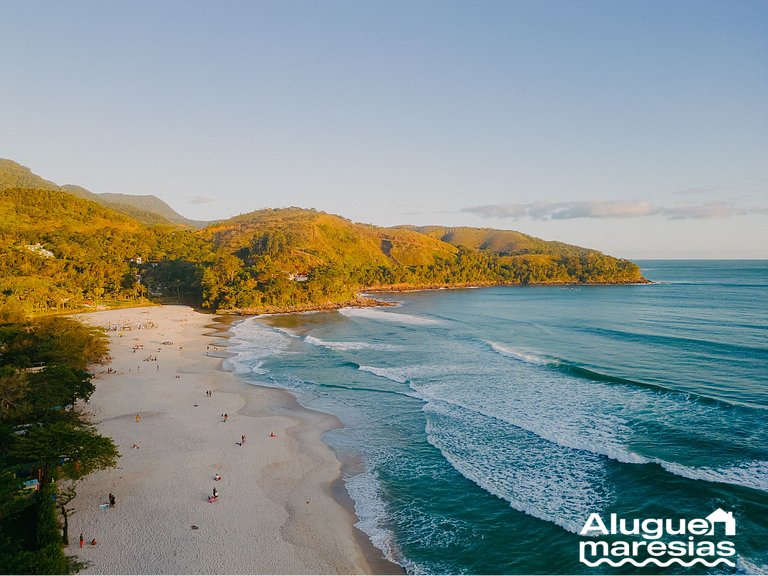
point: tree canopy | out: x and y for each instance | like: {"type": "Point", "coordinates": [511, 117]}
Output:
{"type": "Point", "coordinates": [44, 438]}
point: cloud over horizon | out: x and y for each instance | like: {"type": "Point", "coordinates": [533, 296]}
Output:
{"type": "Point", "coordinates": [610, 209]}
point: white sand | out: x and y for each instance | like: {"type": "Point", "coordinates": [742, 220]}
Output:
{"type": "Point", "coordinates": [276, 512]}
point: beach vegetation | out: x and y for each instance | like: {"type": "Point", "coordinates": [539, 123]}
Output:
{"type": "Point", "coordinates": [46, 444]}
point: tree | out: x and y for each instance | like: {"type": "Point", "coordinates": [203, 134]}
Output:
{"type": "Point", "coordinates": [67, 450]}
{"type": "Point", "coordinates": [13, 392]}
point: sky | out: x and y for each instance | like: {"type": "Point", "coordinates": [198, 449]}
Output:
{"type": "Point", "coordinates": [639, 128]}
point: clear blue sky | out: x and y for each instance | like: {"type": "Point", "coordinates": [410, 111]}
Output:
{"type": "Point", "coordinates": [637, 128]}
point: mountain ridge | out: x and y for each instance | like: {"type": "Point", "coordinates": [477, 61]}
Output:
{"type": "Point", "coordinates": [145, 208]}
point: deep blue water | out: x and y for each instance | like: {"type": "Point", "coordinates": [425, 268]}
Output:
{"type": "Point", "coordinates": [491, 422]}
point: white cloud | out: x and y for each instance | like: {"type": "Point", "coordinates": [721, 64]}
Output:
{"type": "Point", "coordinates": [610, 209]}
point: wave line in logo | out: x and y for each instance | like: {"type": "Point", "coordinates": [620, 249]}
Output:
{"type": "Point", "coordinates": [658, 562]}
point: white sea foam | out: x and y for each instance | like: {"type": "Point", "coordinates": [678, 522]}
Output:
{"type": "Point", "coordinates": [744, 566]}
{"type": "Point", "coordinates": [561, 419]}
{"type": "Point", "coordinates": [402, 374]}
{"type": "Point", "coordinates": [539, 478]}
{"type": "Point", "coordinates": [521, 355]}
{"type": "Point", "coordinates": [394, 374]}
{"type": "Point", "coordinates": [372, 513]}
{"type": "Point", "coordinates": [253, 343]}
{"type": "Point", "coordinates": [751, 473]}
{"type": "Point", "coordinates": [381, 316]}
{"type": "Point", "coordinates": [344, 346]}
{"type": "Point", "coordinates": [597, 417]}
{"type": "Point", "coordinates": [287, 331]}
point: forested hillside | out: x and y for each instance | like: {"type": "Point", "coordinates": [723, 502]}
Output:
{"type": "Point", "coordinates": [63, 253]}
{"type": "Point", "coordinates": [147, 209]}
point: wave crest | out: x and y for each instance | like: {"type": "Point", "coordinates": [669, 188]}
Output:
{"type": "Point", "coordinates": [393, 374]}
{"type": "Point", "coordinates": [345, 346]}
{"type": "Point", "coordinates": [396, 317]}
{"type": "Point", "coordinates": [521, 355]}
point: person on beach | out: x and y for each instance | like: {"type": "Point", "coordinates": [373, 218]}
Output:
{"type": "Point", "coordinates": [215, 492]}
{"type": "Point", "coordinates": [138, 418]}
{"type": "Point", "coordinates": [82, 540]}
{"type": "Point", "coordinates": [226, 417]}
{"type": "Point", "coordinates": [111, 500]}
{"type": "Point", "coordinates": [242, 440]}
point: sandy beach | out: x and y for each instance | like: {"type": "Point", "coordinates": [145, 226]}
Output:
{"type": "Point", "coordinates": [276, 513]}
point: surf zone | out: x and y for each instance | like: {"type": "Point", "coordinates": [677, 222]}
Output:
{"type": "Point", "coordinates": [662, 542]}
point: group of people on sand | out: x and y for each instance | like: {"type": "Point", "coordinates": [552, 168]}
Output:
{"type": "Point", "coordinates": [112, 502]}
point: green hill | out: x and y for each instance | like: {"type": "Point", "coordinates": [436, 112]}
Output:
{"type": "Point", "coordinates": [501, 242]}
{"type": "Point", "coordinates": [303, 239]}
{"type": "Point", "coordinates": [14, 175]}
{"type": "Point", "coordinates": [65, 247]}
{"type": "Point", "coordinates": [60, 251]}
{"type": "Point", "coordinates": [128, 209]}
{"type": "Point", "coordinates": [146, 209]}
{"type": "Point", "coordinates": [292, 257]}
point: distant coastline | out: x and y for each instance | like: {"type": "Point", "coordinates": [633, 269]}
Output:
{"type": "Point", "coordinates": [364, 301]}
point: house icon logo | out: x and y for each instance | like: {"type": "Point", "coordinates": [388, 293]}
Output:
{"type": "Point", "coordinates": [720, 516]}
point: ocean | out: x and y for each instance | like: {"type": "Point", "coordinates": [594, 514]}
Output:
{"type": "Point", "coordinates": [482, 427]}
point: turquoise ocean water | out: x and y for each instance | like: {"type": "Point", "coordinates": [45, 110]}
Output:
{"type": "Point", "coordinates": [484, 426]}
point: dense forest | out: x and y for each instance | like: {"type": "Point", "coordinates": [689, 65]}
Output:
{"type": "Point", "coordinates": [62, 252]}
{"type": "Point", "coordinates": [46, 446]}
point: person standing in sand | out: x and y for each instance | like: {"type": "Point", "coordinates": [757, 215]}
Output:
{"type": "Point", "coordinates": [242, 440]}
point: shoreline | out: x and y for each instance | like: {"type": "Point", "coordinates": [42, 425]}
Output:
{"type": "Point", "coordinates": [365, 301]}
{"type": "Point", "coordinates": [374, 557]}
{"type": "Point", "coordinates": [278, 510]}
